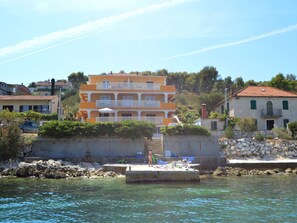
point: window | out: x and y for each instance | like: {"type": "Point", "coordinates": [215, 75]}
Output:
{"type": "Point", "coordinates": [214, 125]}
{"type": "Point", "coordinates": [105, 101]}
{"type": "Point", "coordinates": [286, 121]}
{"type": "Point", "coordinates": [8, 107]}
{"type": "Point", "coordinates": [222, 109]}
{"type": "Point", "coordinates": [253, 104]}
{"type": "Point", "coordinates": [285, 105]}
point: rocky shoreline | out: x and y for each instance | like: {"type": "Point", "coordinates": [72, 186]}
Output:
{"type": "Point", "coordinates": [236, 171]}
{"type": "Point", "coordinates": [53, 169]}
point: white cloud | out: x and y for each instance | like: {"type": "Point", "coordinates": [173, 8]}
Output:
{"type": "Point", "coordinates": [80, 31]}
{"type": "Point", "coordinates": [240, 42]}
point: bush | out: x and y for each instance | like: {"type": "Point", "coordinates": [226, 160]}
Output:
{"type": "Point", "coordinates": [127, 129]}
{"type": "Point", "coordinates": [247, 124]}
{"type": "Point", "coordinates": [259, 136]}
{"type": "Point", "coordinates": [229, 132]}
{"type": "Point", "coordinates": [293, 128]}
{"type": "Point", "coordinates": [185, 130]}
{"type": "Point", "coordinates": [10, 140]}
{"type": "Point", "coordinates": [281, 133]}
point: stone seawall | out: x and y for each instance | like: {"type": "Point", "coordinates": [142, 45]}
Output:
{"type": "Point", "coordinates": [251, 148]}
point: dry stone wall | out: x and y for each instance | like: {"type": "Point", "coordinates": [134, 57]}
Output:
{"type": "Point", "coordinates": [251, 148]}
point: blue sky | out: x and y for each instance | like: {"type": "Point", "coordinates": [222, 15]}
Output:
{"type": "Point", "coordinates": [43, 39]}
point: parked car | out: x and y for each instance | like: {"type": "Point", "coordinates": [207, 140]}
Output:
{"type": "Point", "coordinates": [29, 127]}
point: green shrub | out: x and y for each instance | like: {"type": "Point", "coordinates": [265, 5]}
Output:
{"type": "Point", "coordinates": [247, 124]}
{"type": "Point", "coordinates": [281, 133]}
{"type": "Point", "coordinates": [229, 133]}
{"type": "Point", "coordinates": [259, 136]}
{"type": "Point", "coordinates": [10, 140]}
{"type": "Point", "coordinates": [127, 129]}
{"type": "Point", "coordinates": [185, 130]}
{"type": "Point", "coordinates": [293, 128]}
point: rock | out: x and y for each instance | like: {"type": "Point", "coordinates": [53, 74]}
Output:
{"type": "Point", "coordinates": [268, 172]}
{"type": "Point", "coordinates": [289, 170]}
{"type": "Point", "coordinates": [220, 171]}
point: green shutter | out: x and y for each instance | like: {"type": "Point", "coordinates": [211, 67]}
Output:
{"type": "Point", "coordinates": [253, 104]}
{"type": "Point", "coordinates": [285, 105]}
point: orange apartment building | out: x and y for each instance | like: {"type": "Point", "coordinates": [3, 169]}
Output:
{"type": "Point", "coordinates": [119, 97]}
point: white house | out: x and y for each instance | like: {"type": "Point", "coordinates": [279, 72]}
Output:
{"type": "Point", "coordinates": [271, 107]}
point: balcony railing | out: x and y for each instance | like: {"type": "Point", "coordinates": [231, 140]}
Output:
{"type": "Point", "coordinates": [127, 103]}
{"type": "Point", "coordinates": [104, 119]}
{"type": "Point", "coordinates": [156, 120]}
{"type": "Point", "coordinates": [127, 86]}
{"type": "Point", "coordinates": [271, 113]}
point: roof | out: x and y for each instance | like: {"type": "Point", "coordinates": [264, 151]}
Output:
{"type": "Point", "coordinates": [263, 91]}
{"type": "Point", "coordinates": [58, 83]}
{"type": "Point", "coordinates": [26, 97]}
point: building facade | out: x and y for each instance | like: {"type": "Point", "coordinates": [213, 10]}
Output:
{"type": "Point", "coordinates": [119, 97]}
{"type": "Point", "coordinates": [5, 89]}
{"type": "Point", "coordinates": [271, 107]}
{"type": "Point", "coordinates": [22, 103]}
{"type": "Point", "coordinates": [43, 88]}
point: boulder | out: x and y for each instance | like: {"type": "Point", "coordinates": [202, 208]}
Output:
{"type": "Point", "coordinates": [220, 171]}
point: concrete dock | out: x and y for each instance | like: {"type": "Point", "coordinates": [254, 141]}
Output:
{"type": "Point", "coordinates": [157, 173]}
{"type": "Point", "coordinates": [136, 174]}
{"type": "Point", "coordinates": [262, 164]}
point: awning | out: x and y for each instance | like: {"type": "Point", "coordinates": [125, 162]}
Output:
{"type": "Point", "coordinates": [106, 110]}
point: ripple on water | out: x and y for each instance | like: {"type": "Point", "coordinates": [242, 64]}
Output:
{"type": "Point", "coordinates": [257, 199]}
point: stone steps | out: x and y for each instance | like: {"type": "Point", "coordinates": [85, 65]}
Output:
{"type": "Point", "coordinates": [155, 145]}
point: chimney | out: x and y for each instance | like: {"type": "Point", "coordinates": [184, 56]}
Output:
{"type": "Point", "coordinates": [204, 114]}
{"type": "Point", "coordinates": [53, 87]}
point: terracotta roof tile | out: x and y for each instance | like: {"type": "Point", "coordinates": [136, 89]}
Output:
{"type": "Point", "coordinates": [26, 97]}
{"type": "Point", "coordinates": [263, 91]}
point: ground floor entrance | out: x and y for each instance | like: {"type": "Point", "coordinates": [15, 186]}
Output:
{"type": "Point", "coordinates": [269, 124]}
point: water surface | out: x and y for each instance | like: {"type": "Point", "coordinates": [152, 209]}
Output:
{"type": "Point", "coordinates": [232, 199]}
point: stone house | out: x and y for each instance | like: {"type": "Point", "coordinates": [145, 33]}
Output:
{"type": "Point", "coordinates": [271, 107]}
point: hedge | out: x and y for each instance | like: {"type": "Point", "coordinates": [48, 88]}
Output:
{"type": "Point", "coordinates": [185, 130]}
{"type": "Point", "coordinates": [126, 129]}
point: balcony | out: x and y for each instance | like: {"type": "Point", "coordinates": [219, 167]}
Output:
{"type": "Point", "coordinates": [156, 120]}
{"type": "Point", "coordinates": [127, 86]}
{"type": "Point", "coordinates": [128, 103]}
{"type": "Point", "coordinates": [274, 113]}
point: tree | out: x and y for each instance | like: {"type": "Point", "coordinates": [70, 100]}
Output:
{"type": "Point", "coordinates": [32, 85]}
{"type": "Point", "coordinates": [280, 82]}
{"type": "Point", "coordinates": [77, 79]}
{"type": "Point", "coordinates": [71, 106]}
{"type": "Point", "coordinates": [10, 135]}
{"type": "Point", "coordinates": [208, 75]}
{"type": "Point", "coordinates": [239, 83]}
{"type": "Point", "coordinates": [189, 117]}
{"type": "Point", "coordinates": [211, 100]}
{"type": "Point", "coordinates": [251, 83]}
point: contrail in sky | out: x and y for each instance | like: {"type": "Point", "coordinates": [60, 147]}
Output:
{"type": "Point", "coordinates": [78, 32]}
{"type": "Point", "coordinates": [224, 45]}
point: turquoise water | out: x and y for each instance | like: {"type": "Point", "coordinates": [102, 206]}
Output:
{"type": "Point", "coordinates": [238, 199]}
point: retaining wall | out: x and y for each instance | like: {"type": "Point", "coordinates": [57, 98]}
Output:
{"type": "Point", "coordinates": [77, 148]}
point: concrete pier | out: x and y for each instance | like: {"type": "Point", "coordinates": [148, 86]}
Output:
{"type": "Point", "coordinates": [262, 164]}
{"type": "Point", "coordinates": [140, 174]}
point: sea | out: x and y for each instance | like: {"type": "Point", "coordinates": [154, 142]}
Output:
{"type": "Point", "coordinates": [225, 199]}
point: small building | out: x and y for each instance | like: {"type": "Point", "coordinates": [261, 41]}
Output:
{"type": "Point", "coordinates": [19, 89]}
{"type": "Point", "coordinates": [44, 87]}
{"type": "Point", "coordinates": [5, 89]}
{"type": "Point", "coordinates": [119, 97]}
{"type": "Point", "coordinates": [22, 103]}
{"type": "Point", "coordinates": [271, 107]}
